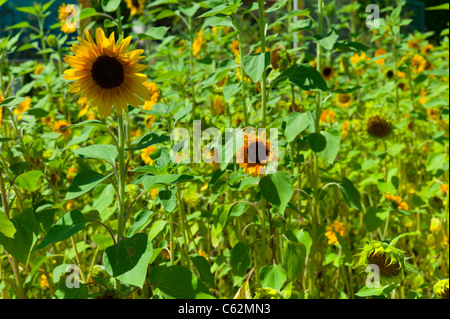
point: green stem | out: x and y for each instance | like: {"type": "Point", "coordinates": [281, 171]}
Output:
{"type": "Point", "coordinates": [241, 56]}
{"type": "Point", "coordinates": [262, 31]}
{"type": "Point", "coordinates": [122, 177]}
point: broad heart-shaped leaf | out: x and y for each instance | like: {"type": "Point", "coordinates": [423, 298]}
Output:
{"type": "Point", "coordinates": [277, 189]}
{"type": "Point", "coordinates": [128, 260]}
{"type": "Point", "coordinates": [294, 255]}
{"type": "Point", "coordinates": [333, 138]}
{"type": "Point", "coordinates": [102, 152]}
{"type": "Point", "coordinates": [83, 182]}
{"type": "Point", "coordinates": [304, 76]}
{"type": "Point", "coordinates": [272, 276]}
{"type": "Point", "coordinates": [240, 259]}
{"type": "Point", "coordinates": [25, 236]}
{"type": "Point", "coordinates": [64, 228]}
{"type": "Point", "coordinates": [255, 64]}
{"type": "Point", "coordinates": [29, 181]}
{"type": "Point", "coordinates": [351, 194]}
{"type": "Point", "coordinates": [168, 199]}
{"type": "Point", "coordinates": [177, 282]}
{"type": "Point", "coordinates": [295, 124]}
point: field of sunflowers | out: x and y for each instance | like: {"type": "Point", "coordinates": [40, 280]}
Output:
{"type": "Point", "coordinates": [223, 149]}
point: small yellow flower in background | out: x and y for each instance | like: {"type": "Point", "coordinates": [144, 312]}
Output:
{"type": "Point", "coordinates": [154, 193]}
{"type": "Point", "coordinates": [433, 113]}
{"type": "Point", "coordinates": [423, 96]}
{"type": "Point", "coordinates": [414, 44]}
{"type": "Point", "coordinates": [396, 201]}
{"type": "Point", "coordinates": [198, 43]}
{"type": "Point", "coordinates": [327, 116]}
{"type": "Point", "coordinates": [330, 232]}
{"type": "Point", "coordinates": [71, 173]}
{"type": "Point", "coordinates": [418, 63]}
{"type": "Point", "coordinates": [63, 12]}
{"type": "Point", "coordinates": [69, 205]}
{"type": "Point", "coordinates": [427, 49]}
{"type": "Point", "coordinates": [43, 281]}
{"type": "Point", "coordinates": [136, 6]}
{"type": "Point", "coordinates": [60, 125]}
{"type": "Point", "coordinates": [355, 59]}
{"type": "Point", "coordinates": [38, 69]}
{"type": "Point", "coordinates": [22, 108]}
{"type": "Point", "coordinates": [378, 53]}
{"type": "Point", "coordinates": [201, 252]}
{"type": "Point", "coordinates": [135, 134]}
{"type": "Point", "coordinates": [219, 105]}
{"type": "Point", "coordinates": [86, 109]}
{"type": "Point", "coordinates": [345, 128]}
{"type": "Point", "coordinates": [145, 155]}
{"type": "Point", "coordinates": [401, 75]}
{"type": "Point", "coordinates": [327, 72]}
{"type": "Point", "coordinates": [235, 48]}
{"type": "Point", "coordinates": [154, 96]}
{"type": "Point", "coordinates": [444, 189]}
{"type": "Point", "coordinates": [149, 119]}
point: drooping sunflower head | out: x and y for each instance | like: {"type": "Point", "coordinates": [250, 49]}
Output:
{"type": "Point", "coordinates": [440, 289]}
{"type": "Point", "coordinates": [386, 260]}
{"type": "Point", "coordinates": [256, 154]}
{"type": "Point", "coordinates": [136, 6]}
{"type": "Point", "coordinates": [106, 75]}
{"type": "Point", "coordinates": [378, 124]}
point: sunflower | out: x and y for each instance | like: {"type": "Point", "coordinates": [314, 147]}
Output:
{"type": "Point", "coordinates": [344, 100]}
{"type": "Point", "coordinates": [440, 289]}
{"type": "Point", "coordinates": [219, 105]}
{"type": "Point", "coordinates": [390, 74]}
{"type": "Point", "coordinates": [386, 260]}
{"type": "Point", "coordinates": [63, 13]}
{"type": "Point", "coordinates": [136, 6]}
{"type": "Point", "coordinates": [235, 48]}
{"type": "Point", "coordinates": [427, 49]}
{"type": "Point", "coordinates": [22, 108]}
{"type": "Point", "coordinates": [414, 44]}
{"type": "Point", "coordinates": [418, 63]}
{"type": "Point", "coordinates": [60, 126]}
{"type": "Point", "coordinates": [379, 52]}
{"type": "Point", "coordinates": [106, 74]}
{"type": "Point", "coordinates": [378, 125]}
{"type": "Point", "coordinates": [154, 95]}
{"type": "Point", "coordinates": [327, 116]}
{"type": "Point", "coordinates": [249, 155]}
{"type": "Point", "coordinates": [38, 69]}
{"type": "Point", "coordinates": [330, 232]}
{"type": "Point", "coordinates": [197, 45]}
{"type": "Point", "coordinates": [327, 72]}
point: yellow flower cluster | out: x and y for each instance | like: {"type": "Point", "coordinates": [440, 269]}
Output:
{"type": "Point", "coordinates": [154, 95]}
{"type": "Point", "coordinates": [330, 232]}
{"type": "Point", "coordinates": [22, 108]}
{"type": "Point", "coordinates": [396, 201]}
{"type": "Point", "coordinates": [327, 116]}
{"type": "Point", "coordinates": [198, 43]}
{"type": "Point", "coordinates": [145, 155]}
{"type": "Point", "coordinates": [63, 13]}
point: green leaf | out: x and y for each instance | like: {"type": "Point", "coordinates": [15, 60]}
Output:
{"type": "Point", "coordinates": [255, 65]}
{"type": "Point", "coordinates": [328, 41]}
{"type": "Point", "coordinates": [277, 6]}
{"type": "Point", "coordinates": [272, 276]}
{"type": "Point", "coordinates": [333, 138]}
{"type": "Point", "coordinates": [168, 199]}
{"type": "Point", "coordinates": [224, 67]}
{"type": "Point", "coordinates": [156, 181]}
{"type": "Point", "coordinates": [110, 5]}
{"type": "Point", "coordinates": [107, 153]}
{"type": "Point", "coordinates": [295, 124]}
{"type": "Point", "coordinates": [27, 230]}
{"type": "Point", "coordinates": [156, 228]}
{"type": "Point", "coordinates": [374, 218]}
{"type": "Point", "coordinates": [277, 189]}
{"type": "Point", "coordinates": [240, 259]}
{"type": "Point", "coordinates": [64, 292]}
{"type": "Point", "coordinates": [64, 228]}
{"type": "Point", "coordinates": [225, 9]}
{"type": "Point", "coordinates": [148, 140]}
{"type": "Point", "coordinates": [217, 21]}
{"type": "Point", "coordinates": [367, 292]}
{"type": "Point", "coordinates": [7, 228]}
{"type": "Point", "coordinates": [30, 180]}
{"type": "Point", "coordinates": [444, 6]}
{"type": "Point", "coordinates": [154, 33]}
{"type": "Point", "coordinates": [204, 271]}
{"type": "Point", "coordinates": [20, 25]}
{"type": "Point", "coordinates": [349, 46]}
{"type": "Point", "coordinates": [87, 13]}
{"type": "Point", "coordinates": [142, 219]}
{"type": "Point", "coordinates": [84, 123]}
{"type": "Point", "coordinates": [305, 76]}
{"type": "Point", "coordinates": [176, 282]}
{"type": "Point", "coordinates": [350, 193]}
{"type": "Point", "coordinates": [294, 255]}
{"type": "Point", "coordinates": [317, 142]}
{"type": "Point", "coordinates": [12, 101]}
{"type": "Point", "coordinates": [128, 260]}
{"type": "Point", "coordinates": [83, 182]}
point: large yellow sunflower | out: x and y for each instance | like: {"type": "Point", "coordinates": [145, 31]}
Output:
{"type": "Point", "coordinates": [106, 74]}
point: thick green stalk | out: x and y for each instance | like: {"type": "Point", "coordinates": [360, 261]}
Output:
{"type": "Point", "coordinates": [122, 177]}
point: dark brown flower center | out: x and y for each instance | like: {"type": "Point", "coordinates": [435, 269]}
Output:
{"type": "Point", "coordinates": [327, 71]}
{"type": "Point", "coordinates": [386, 267]}
{"type": "Point", "coordinates": [136, 4]}
{"type": "Point", "coordinates": [378, 127]}
{"type": "Point", "coordinates": [390, 74]}
{"type": "Point", "coordinates": [107, 72]}
{"type": "Point", "coordinates": [257, 153]}
{"type": "Point", "coordinates": [344, 98]}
